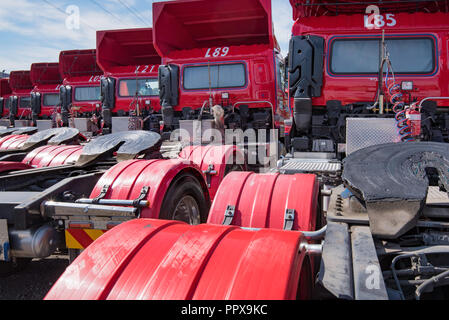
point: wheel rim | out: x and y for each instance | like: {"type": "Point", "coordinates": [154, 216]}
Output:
{"type": "Point", "coordinates": [187, 210]}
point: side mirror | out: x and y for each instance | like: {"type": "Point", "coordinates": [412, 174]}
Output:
{"type": "Point", "coordinates": [13, 108]}
{"type": "Point", "coordinates": [107, 93]}
{"type": "Point", "coordinates": [13, 105]}
{"type": "Point", "coordinates": [168, 92]}
{"type": "Point", "coordinates": [107, 98]}
{"type": "Point", "coordinates": [168, 85]}
{"type": "Point", "coordinates": [65, 99]}
{"type": "Point", "coordinates": [36, 103]}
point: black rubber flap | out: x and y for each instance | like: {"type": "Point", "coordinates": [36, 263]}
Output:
{"type": "Point", "coordinates": [395, 171]}
{"type": "Point", "coordinates": [127, 144]}
{"type": "Point", "coordinates": [22, 130]}
{"type": "Point", "coordinates": [56, 136]}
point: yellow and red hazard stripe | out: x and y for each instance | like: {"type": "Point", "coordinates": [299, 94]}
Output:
{"type": "Point", "coordinates": [81, 238]}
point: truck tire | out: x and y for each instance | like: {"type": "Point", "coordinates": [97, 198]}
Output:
{"type": "Point", "coordinates": [185, 201]}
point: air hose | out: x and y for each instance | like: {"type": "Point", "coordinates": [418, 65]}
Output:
{"type": "Point", "coordinates": [396, 99]}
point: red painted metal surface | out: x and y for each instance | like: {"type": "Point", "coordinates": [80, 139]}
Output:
{"type": "Point", "coordinates": [79, 68]}
{"type": "Point", "coordinates": [400, 24]}
{"type": "Point", "coordinates": [235, 31]}
{"type": "Point", "coordinates": [308, 8]}
{"type": "Point", "coordinates": [5, 93]}
{"type": "Point", "coordinates": [127, 179]}
{"type": "Point", "coordinates": [14, 141]}
{"type": "Point", "coordinates": [169, 260]}
{"type": "Point", "coordinates": [6, 166]}
{"type": "Point", "coordinates": [46, 156]}
{"type": "Point", "coordinates": [216, 158]}
{"type": "Point", "coordinates": [261, 200]}
{"type": "Point", "coordinates": [46, 80]}
{"type": "Point", "coordinates": [128, 54]}
{"type": "Point", "coordinates": [21, 86]}
{"type": "Point", "coordinates": [51, 156]}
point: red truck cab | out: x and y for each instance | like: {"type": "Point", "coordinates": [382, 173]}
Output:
{"type": "Point", "coordinates": [220, 53]}
{"type": "Point", "coordinates": [20, 101]}
{"type": "Point", "coordinates": [46, 80]}
{"type": "Point", "coordinates": [80, 92]}
{"type": "Point", "coordinates": [335, 73]}
{"type": "Point", "coordinates": [130, 64]}
{"type": "Point", "coordinates": [5, 93]}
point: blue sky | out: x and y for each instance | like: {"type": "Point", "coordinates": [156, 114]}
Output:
{"type": "Point", "coordinates": [37, 30]}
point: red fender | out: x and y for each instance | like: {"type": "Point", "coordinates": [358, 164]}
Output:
{"type": "Point", "coordinates": [170, 260]}
{"type": "Point", "coordinates": [13, 141]}
{"type": "Point", "coordinates": [261, 200]}
{"type": "Point", "coordinates": [13, 166]}
{"type": "Point", "coordinates": [51, 156]}
{"type": "Point", "coordinates": [127, 179]}
{"type": "Point", "coordinates": [218, 156]}
{"type": "Point", "coordinates": [46, 156]}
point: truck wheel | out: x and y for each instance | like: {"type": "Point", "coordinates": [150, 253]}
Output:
{"type": "Point", "coordinates": [185, 201]}
{"type": "Point", "coordinates": [10, 267]}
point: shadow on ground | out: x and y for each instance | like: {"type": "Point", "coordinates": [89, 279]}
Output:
{"type": "Point", "coordinates": [34, 281]}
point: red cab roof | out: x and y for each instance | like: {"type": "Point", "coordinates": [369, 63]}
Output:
{"type": "Point", "coordinates": [190, 24]}
{"type": "Point", "coordinates": [118, 50]}
{"type": "Point", "coordinates": [78, 63]}
{"type": "Point", "coordinates": [45, 73]}
{"type": "Point", "coordinates": [309, 8]}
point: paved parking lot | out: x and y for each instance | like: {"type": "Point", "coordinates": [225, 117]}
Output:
{"type": "Point", "coordinates": [34, 281]}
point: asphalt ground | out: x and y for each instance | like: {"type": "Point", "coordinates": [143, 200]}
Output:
{"type": "Point", "coordinates": [35, 280]}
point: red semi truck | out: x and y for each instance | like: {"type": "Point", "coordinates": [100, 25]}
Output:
{"type": "Point", "coordinates": [46, 80]}
{"type": "Point", "coordinates": [20, 100]}
{"type": "Point", "coordinates": [230, 59]}
{"type": "Point", "coordinates": [5, 92]}
{"type": "Point", "coordinates": [130, 85]}
{"type": "Point", "coordinates": [335, 72]}
{"type": "Point", "coordinates": [80, 93]}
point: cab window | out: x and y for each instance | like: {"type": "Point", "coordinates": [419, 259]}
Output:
{"type": "Point", "coordinates": [51, 99]}
{"type": "Point", "coordinates": [216, 76]}
{"type": "Point", "coordinates": [145, 87]}
{"type": "Point", "coordinates": [87, 93]}
{"type": "Point", "coordinates": [362, 56]}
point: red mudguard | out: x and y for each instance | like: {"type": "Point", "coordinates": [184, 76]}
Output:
{"type": "Point", "coordinates": [46, 156]}
{"type": "Point", "coordinates": [6, 166]}
{"type": "Point", "coordinates": [170, 260]}
{"type": "Point", "coordinates": [51, 156]}
{"type": "Point", "coordinates": [215, 158]}
{"type": "Point", "coordinates": [14, 141]}
{"type": "Point", "coordinates": [126, 180]}
{"type": "Point", "coordinates": [261, 200]}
